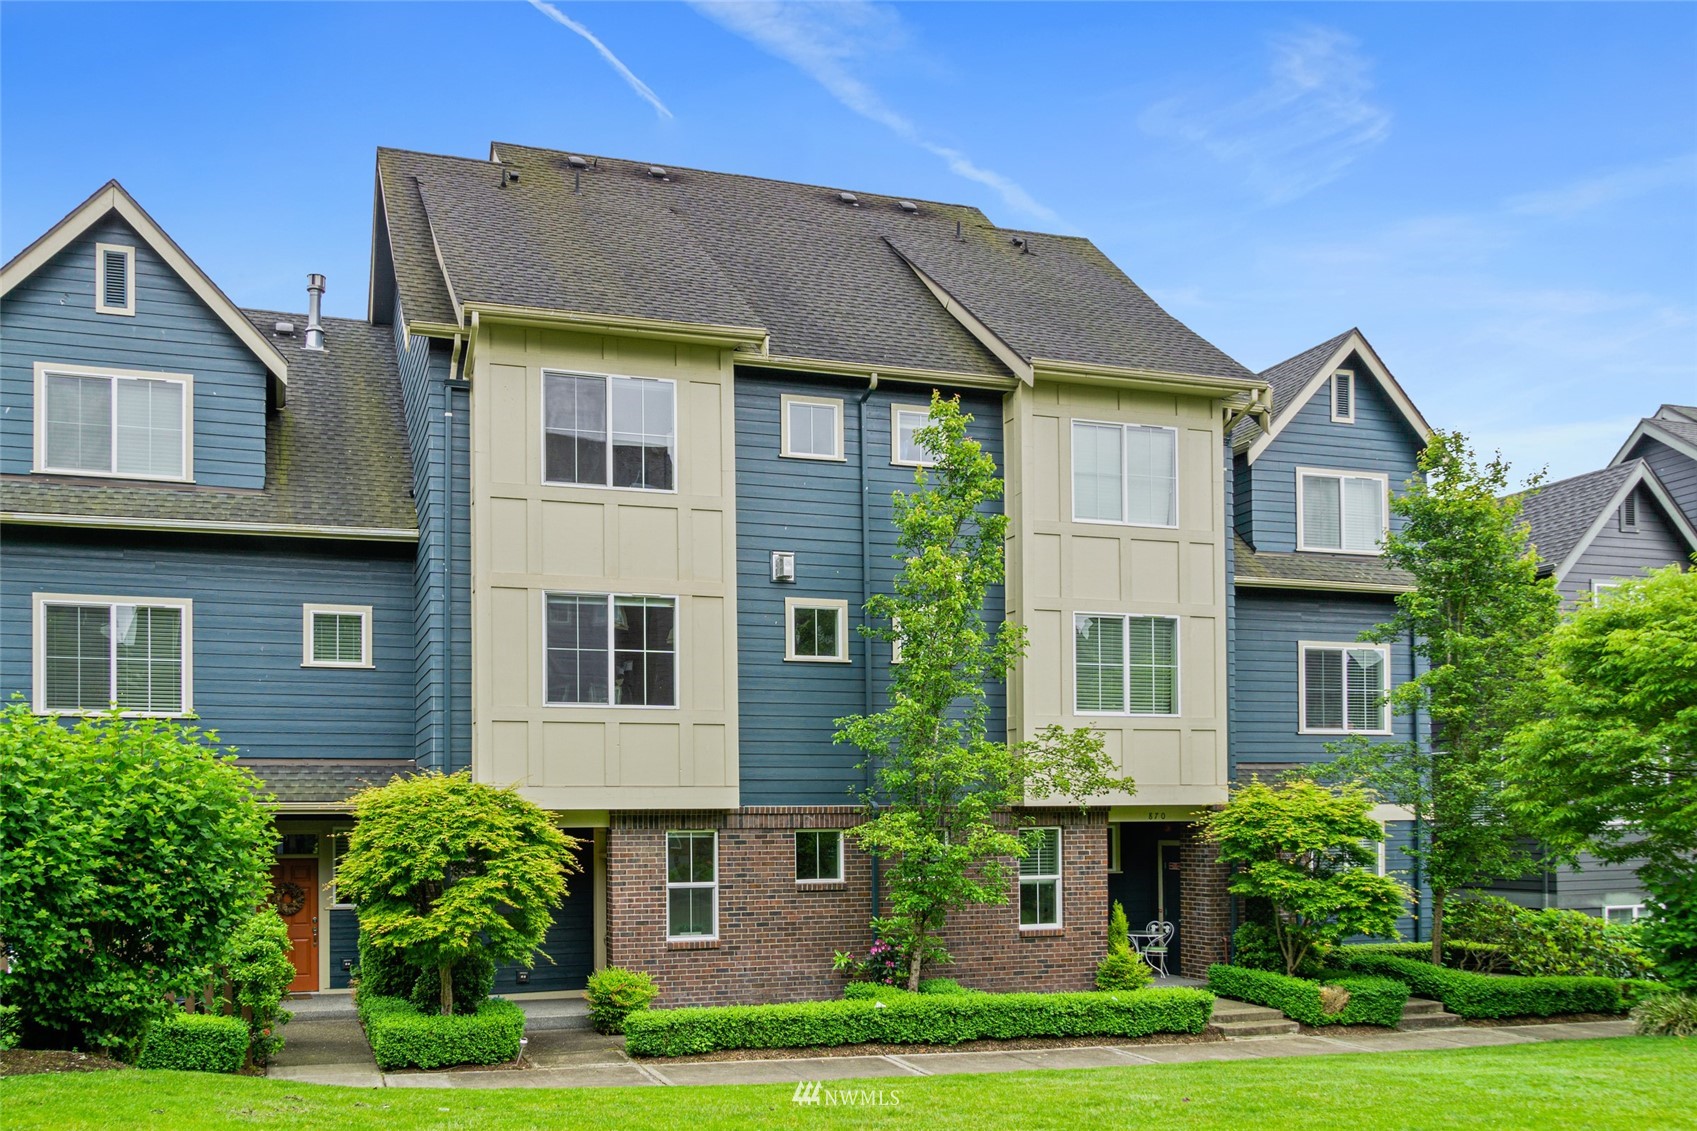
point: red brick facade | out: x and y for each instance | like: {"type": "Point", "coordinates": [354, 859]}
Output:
{"type": "Point", "coordinates": [1204, 907]}
{"type": "Point", "coordinates": [777, 936]}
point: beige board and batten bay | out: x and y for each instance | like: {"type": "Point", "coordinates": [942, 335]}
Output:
{"type": "Point", "coordinates": [1059, 567]}
{"type": "Point", "coordinates": [531, 538]}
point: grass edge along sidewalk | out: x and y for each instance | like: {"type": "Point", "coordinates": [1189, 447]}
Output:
{"type": "Point", "coordinates": [1624, 1082]}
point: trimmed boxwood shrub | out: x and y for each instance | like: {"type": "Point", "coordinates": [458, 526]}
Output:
{"type": "Point", "coordinates": [904, 1018]}
{"type": "Point", "coordinates": [195, 1042]}
{"type": "Point", "coordinates": [1487, 958]}
{"type": "Point", "coordinates": [402, 1037]}
{"type": "Point", "coordinates": [613, 994]}
{"type": "Point", "coordinates": [1486, 995]}
{"type": "Point", "coordinates": [865, 991]}
{"type": "Point", "coordinates": [1372, 1000]}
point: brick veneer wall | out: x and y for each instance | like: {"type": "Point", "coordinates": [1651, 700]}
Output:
{"type": "Point", "coordinates": [777, 937]}
{"type": "Point", "coordinates": [1204, 906]}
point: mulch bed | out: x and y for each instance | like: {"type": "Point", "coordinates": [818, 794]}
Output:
{"type": "Point", "coordinates": [25, 1062]}
{"type": "Point", "coordinates": [1020, 1045]}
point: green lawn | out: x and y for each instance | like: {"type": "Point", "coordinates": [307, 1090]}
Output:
{"type": "Point", "coordinates": [1636, 1083]}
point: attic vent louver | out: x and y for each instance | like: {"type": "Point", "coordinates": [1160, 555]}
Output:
{"type": "Point", "coordinates": [1343, 397]}
{"type": "Point", "coordinates": [116, 279]}
{"type": "Point", "coordinates": [849, 198]}
{"type": "Point", "coordinates": [1629, 512]}
{"type": "Point", "coordinates": [577, 162]}
{"type": "Point", "coordinates": [907, 206]}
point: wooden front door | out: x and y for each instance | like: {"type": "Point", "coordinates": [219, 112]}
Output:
{"type": "Point", "coordinates": [294, 893]}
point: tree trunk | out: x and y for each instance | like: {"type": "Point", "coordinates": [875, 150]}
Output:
{"type": "Point", "coordinates": [914, 961]}
{"type": "Point", "coordinates": [1437, 927]}
{"type": "Point", "coordinates": [446, 970]}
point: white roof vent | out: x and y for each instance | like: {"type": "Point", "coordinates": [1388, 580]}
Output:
{"type": "Point", "coordinates": [658, 172]}
{"type": "Point", "coordinates": [577, 162]}
{"type": "Point", "coordinates": [849, 198]}
{"type": "Point", "coordinates": [285, 329]}
{"type": "Point", "coordinates": [907, 206]}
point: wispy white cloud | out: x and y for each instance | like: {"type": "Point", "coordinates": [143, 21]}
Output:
{"type": "Point", "coordinates": [636, 84]}
{"type": "Point", "coordinates": [1569, 201]}
{"type": "Point", "coordinates": [1311, 120]}
{"type": "Point", "coordinates": [824, 41]}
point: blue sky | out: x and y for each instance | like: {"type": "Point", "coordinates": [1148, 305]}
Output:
{"type": "Point", "coordinates": [1503, 197]}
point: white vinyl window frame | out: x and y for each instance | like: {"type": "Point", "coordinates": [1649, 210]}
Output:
{"type": "Point", "coordinates": [101, 306]}
{"type": "Point", "coordinates": [792, 605]}
{"type": "Point", "coordinates": [1345, 379]}
{"type": "Point", "coordinates": [834, 834]}
{"type": "Point", "coordinates": [607, 417]}
{"type": "Point", "coordinates": [786, 444]}
{"type": "Point", "coordinates": [612, 652]}
{"type": "Point", "coordinates": [1377, 848]}
{"type": "Point", "coordinates": [692, 885]}
{"type": "Point", "coordinates": [1125, 472]}
{"type": "Point", "coordinates": [46, 369]}
{"type": "Point", "coordinates": [1125, 620]}
{"type": "Point", "coordinates": [1601, 585]}
{"type": "Point", "coordinates": [1634, 912]}
{"type": "Point", "coordinates": [309, 630]}
{"type": "Point", "coordinates": [1384, 496]}
{"type": "Point", "coordinates": [897, 411]}
{"type": "Point", "coordinates": [1039, 879]}
{"type": "Point", "coordinates": [38, 650]}
{"type": "Point", "coordinates": [1303, 647]}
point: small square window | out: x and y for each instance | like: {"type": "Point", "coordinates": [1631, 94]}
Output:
{"type": "Point", "coordinates": [114, 279]}
{"type": "Point", "coordinates": [812, 428]}
{"type": "Point", "coordinates": [905, 448]}
{"type": "Point", "coordinates": [337, 636]}
{"type": "Point", "coordinates": [816, 631]}
{"type": "Point", "coordinates": [818, 856]}
{"type": "Point", "coordinates": [1040, 879]}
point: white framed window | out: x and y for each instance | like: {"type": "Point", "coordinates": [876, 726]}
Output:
{"type": "Point", "coordinates": [338, 849]}
{"type": "Point", "coordinates": [1125, 665]}
{"type": "Point", "coordinates": [1623, 912]}
{"type": "Point", "coordinates": [1040, 879]}
{"type": "Point", "coordinates": [815, 630]}
{"type": "Point", "coordinates": [336, 636]}
{"type": "Point", "coordinates": [810, 427]}
{"type": "Point", "coordinates": [605, 431]}
{"type": "Point", "coordinates": [1343, 397]}
{"type": "Point", "coordinates": [1114, 864]}
{"type": "Point", "coordinates": [610, 650]}
{"type": "Point", "coordinates": [818, 856]}
{"type": "Point", "coordinates": [905, 422]}
{"type": "Point", "coordinates": [1341, 512]}
{"type": "Point", "coordinates": [114, 279]}
{"type": "Point", "coordinates": [1377, 847]}
{"type": "Point", "coordinates": [91, 653]}
{"type": "Point", "coordinates": [1124, 473]}
{"type": "Point", "coordinates": [692, 886]}
{"type": "Point", "coordinates": [1601, 585]}
{"type": "Point", "coordinates": [1629, 513]}
{"type": "Point", "coordinates": [896, 643]}
{"type": "Point", "coordinates": [1341, 688]}
{"type": "Point", "coordinates": [124, 423]}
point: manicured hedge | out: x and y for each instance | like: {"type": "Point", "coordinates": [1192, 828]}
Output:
{"type": "Point", "coordinates": [866, 991]}
{"type": "Point", "coordinates": [402, 1037]}
{"type": "Point", "coordinates": [1372, 1001]}
{"type": "Point", "coordinates": [1486, 995]}
{"type": "Point", "coordinates": [1486, 957]}
{"type": "Point", "coordinates": [903, 1018]}
{"type": "Point", "coordinates": [195, 1042]}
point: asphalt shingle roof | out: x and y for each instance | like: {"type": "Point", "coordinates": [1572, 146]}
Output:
{"type": "Point", "coordinates": [822, 276]}
{"type": "Point", "coordinates": [336, 456]}
{"type": "Point", "coordinates": [1561, 513]}
{"type": "Point", "coordinates": [1287, 379]}
{"type": "Point", "coordinates": [1296, 570]}
{"type": "Point", "coordinates": [323, 781]}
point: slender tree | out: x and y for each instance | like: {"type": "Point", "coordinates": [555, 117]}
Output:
{"type": "Point", "coordinates": [940, 814]}
{"type": "Point", "coordinates": [1476, 621]}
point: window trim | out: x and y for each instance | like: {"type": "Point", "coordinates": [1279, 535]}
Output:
{"type": "Point", "coordinates": [1302, 649]}
{"type": "Point", "coordinates": [1377, 847]}
{"type": "Point", "coordinates": [896, 410]}
{"type": "Point", "coordinates": [693, 885]}
{"type": "Point", "coordinates": [1639, 911]}
{"type": "Point", "coordinates": [1116, 846]}
{"type": "Point", "coordinates": [45, 369]}
{"type": "Point", "coordinates": [309, 630]}
{"type": "Point", "coordinates": [1601, 585]}
{"type": "Point", "coordinates": [542, 430]}
{"type": "Point", "coordinates": [1125, 474]}
{"type": "Point", "coordinates": [1384, 479]}
{"type": "Point", "coordinates": [1125, 660]}
{"type": "Point", "coordinates": [836, 879]}
{"type": "Point", "coordinates": [791, 604]}
{"type": "Point", "coordinates": [785, 450]}
{"type": "Point", "coordinates": [1057, 876]}
{"type": "Point", "coordinates": [677, 652]}
{"type": "Point", "coordinates": [39, 603]}
{"type": "Point", "coordinates": [128, 310]}
{"type": "Point", "coordinates": [1353, 386]}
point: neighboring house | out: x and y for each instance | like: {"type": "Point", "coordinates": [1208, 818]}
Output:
{"type": "Point", "coordinates": [1592, 532]}
{"type": "Point", "coordinates": [205, 511]}
{"type": "Point", "coordinates": [1311, 507]}
{"type": "Point", "coordinates": [1667, 442]}
{"type": "Point", "coordinates": [690, 396]}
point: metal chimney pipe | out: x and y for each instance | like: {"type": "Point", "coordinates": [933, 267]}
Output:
{"type": "Point", "coordinates": [314, 328]}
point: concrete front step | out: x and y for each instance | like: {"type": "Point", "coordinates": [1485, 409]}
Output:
{"type": "Point", "coordinates": [1280, 1026]}
{"type": "Point", "coordinates": [1418, 1005]}
{"type": "Point", "coordinates": [1227, 1009]}
{"type": "Point", "coordinates": [1422, 1013]}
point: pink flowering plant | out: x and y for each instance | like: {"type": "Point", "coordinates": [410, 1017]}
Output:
{"type": "Point", "coordinates": [883, 962]}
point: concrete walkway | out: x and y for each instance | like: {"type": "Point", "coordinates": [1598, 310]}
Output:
{"type": "Point", "coordinates": [333, 1051]}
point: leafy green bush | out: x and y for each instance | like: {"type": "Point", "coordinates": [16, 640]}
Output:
{"type": "Point", "coordinates": [1666, 1014]}
{"type": "Point", "coordinates": [474, 978]}
{"type": "Point", "coordinates": [1550, 941]}
{"type": "Point", "coordinates": [382, 971]}
{"type": "Point", "coordinates": [1256, 947]}
{"type": "Point", "coordinates": [402, 1037]}
{"type": "Point", "coordinates": [1486, 995]}
{"type": "Point", "coordinates": [195, 1042]}
{"type": "Point", "coordinates": [943, 986]}
{"type": "Point", "coordinates": [904, 1018]}
{"type": "Point", "coordinates": [614, 994]}
{"type": "Point", "coordinates": [8, 1027]}
{"type": "Point", "coordinates": [259, 971]}
{"type": "Point", "coordinates": [1370, 1001]}
{"type": "Point", "coordinates": [1487, 958]}
{"type": "Point", "coordinates": [1635, 990]}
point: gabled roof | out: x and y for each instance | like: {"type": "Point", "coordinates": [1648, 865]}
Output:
{"type": "Point", "coordinates": [112, 197]}
{"type": "Point", "coordinates": [1567, 515]}
{"type": "Point", "coordinates": [1295, 380]}
{"type": "Point", "coordinates": [1686, 413]}
{"type": "Point", "coordinates": [808, 277]}
{"type": "Point", "coordinates": [1671, 425]}
{"type": "Point", "coordinates": [336, 461]}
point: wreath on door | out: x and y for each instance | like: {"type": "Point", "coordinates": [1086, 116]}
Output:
{"type": "Point", "coordinates": [291, 898]}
